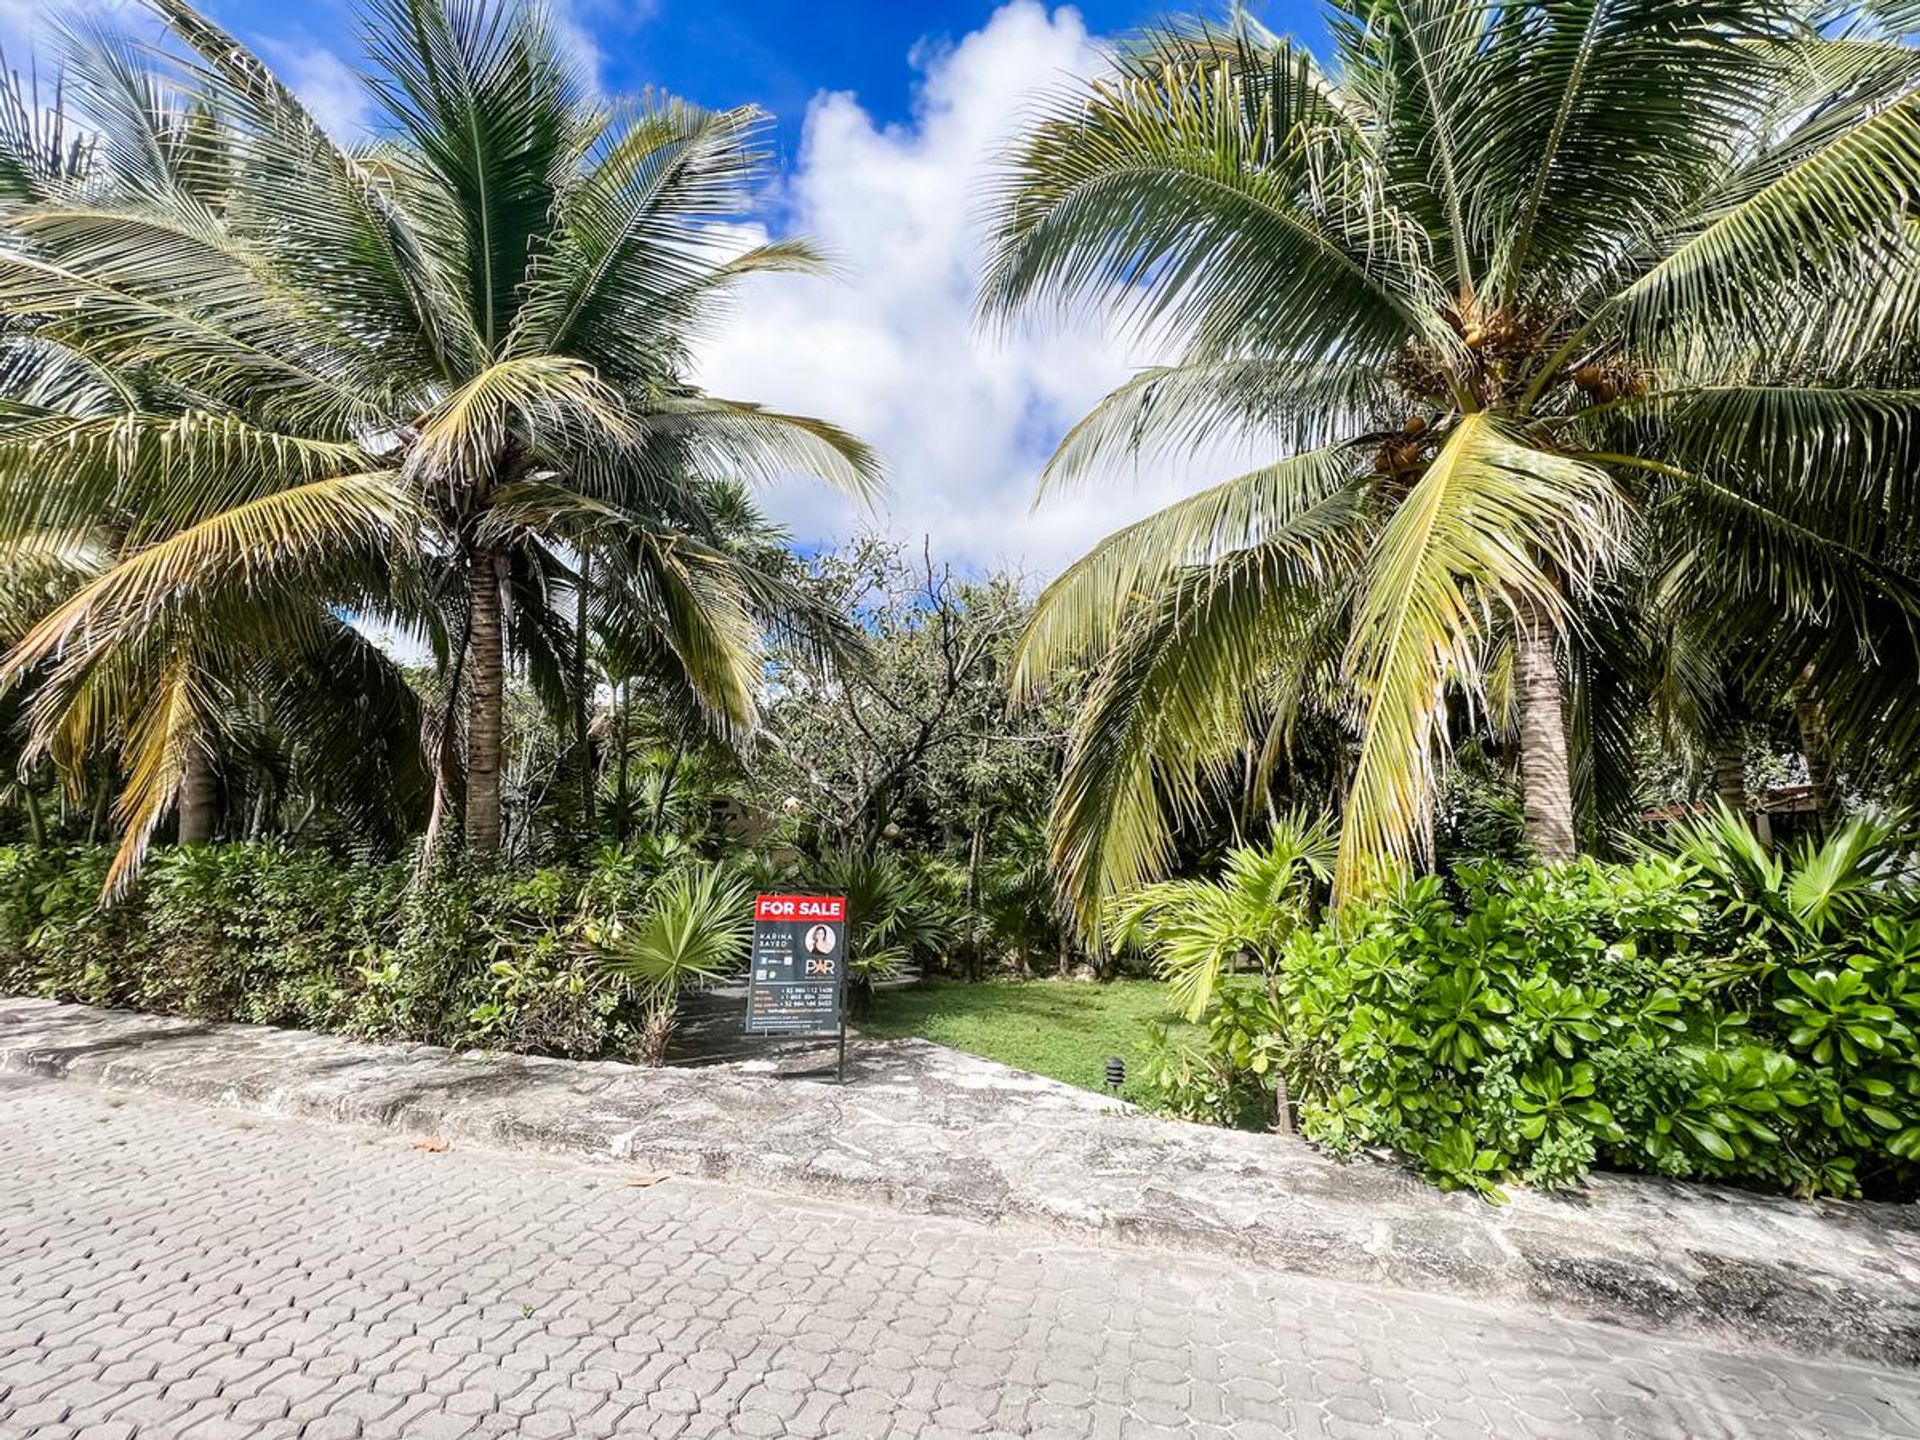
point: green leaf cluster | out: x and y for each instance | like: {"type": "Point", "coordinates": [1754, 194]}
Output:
{"type": "Point", "coordinates": [579, 962]}
{"type": "Point", "coordinates": [1512, 1023]}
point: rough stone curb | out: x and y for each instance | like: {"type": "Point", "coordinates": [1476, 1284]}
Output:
{"type": "Point", "coordinates": [929, 1130]}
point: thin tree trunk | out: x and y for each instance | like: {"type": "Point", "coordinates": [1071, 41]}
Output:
{"type": "Point", "coordinates": [486, 701]}
{"type": "Point", "coordinates": [36, 818]}
{"type": "Point", "coordinates": [1282, 1096]}
{"type": "Point", "coordinates": [1545, 772]}
{"type": "Point", "coordinates": [102, 808]}
{"type": "Point", "coordinates": [1066, 951]}
{"type": "Point", "coordinates": [1816, 746]}
{"type": "Point", "coordinates": [976, 861]}
{"type": "Point", "coordinates": [1730, 773]}
{"type": "Point", "coordinates": [199, 797]}
{"type": "Point", "coordinates": [583, 710]}
{"type": "Point", "coordinates": [621, 801]}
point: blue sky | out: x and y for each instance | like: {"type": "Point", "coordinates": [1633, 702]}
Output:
{"type": "Point", "coordinates": [890, 116]}
{"type": "Point", "coordinates": [777, 53]}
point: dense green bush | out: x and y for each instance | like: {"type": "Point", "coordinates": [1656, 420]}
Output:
{"type": "Point", "coordinates": [1712, 1012]}
{"type": "Point", "coordinates": [461, 957]}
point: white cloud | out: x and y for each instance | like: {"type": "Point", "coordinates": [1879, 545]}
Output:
{"type": "Point", "coordinates": [891, 351]}
{"type": "Point", "coordinates": [26, 26]}
{"type": "Point", "coordinates": [326, 85]}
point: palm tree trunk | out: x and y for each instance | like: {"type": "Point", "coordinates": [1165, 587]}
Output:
{"type": "Point", "coordinates": [486, 701]}
{"type": "Point", "coordinates": [1730, 773]}
{"type": "Point", "coordinates": [1546, 776]}
{"type": "Point", "coordinates": [1816, 747]}
{"type": "Point", "coordinates": [199, 797]}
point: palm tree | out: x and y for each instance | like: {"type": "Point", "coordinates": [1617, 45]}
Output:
{"type": "Point", "coordinates": [96, 463]}
{"type": "Point", "coordinates": [1526, 299]}
{"type": "Point", "coordinates": [1200, 931]}
{"type": "Point", "coordinates": [421, 379]}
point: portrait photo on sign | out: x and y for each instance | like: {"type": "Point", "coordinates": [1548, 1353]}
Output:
{"type": "Point", "coordinates": [821, 940]}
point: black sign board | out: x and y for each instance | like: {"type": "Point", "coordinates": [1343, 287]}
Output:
{"type": "Point", "coordinates": [799, 965]}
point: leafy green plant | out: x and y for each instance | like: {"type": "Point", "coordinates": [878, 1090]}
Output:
{"type": "Point", "coordinates": [1814, 889]}
{"type": "Point", "coordinates": [1714, 1012]}
{"type": "Point", "coordinates": [1200, 932]}
{"type": "Point", "coordinates": [895, 917]}
{"type": "Point", "coordinates": [696, 929]}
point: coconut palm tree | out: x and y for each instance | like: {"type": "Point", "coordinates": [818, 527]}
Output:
{"type": "Point", "coordinates": [67, 424]}
{"type": "Point", "coordinates": [1512, 303]}
{"type": "Point", "coordinates": [415, 378]}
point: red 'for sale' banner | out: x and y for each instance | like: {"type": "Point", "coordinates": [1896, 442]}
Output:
{"type": "Point", "coordinates": [800, 907]}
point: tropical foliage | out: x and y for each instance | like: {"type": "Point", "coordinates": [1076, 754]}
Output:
{"type": "Point", "coordinates": [1575, 345]}
{"type": "Point", "coordinates": [1704, 1010]}
{"type": "Point", "coordinates": [264, 388]}
{"type": "Point", "coordinates": [364, 533]}
{"type": "Point", "coordinates": [260, 932]}
{"type": "Point", "coordinates": [696, 929]}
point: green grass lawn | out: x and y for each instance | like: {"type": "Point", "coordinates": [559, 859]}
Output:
{"type": "Point", "coordinates": [1064, 1029]}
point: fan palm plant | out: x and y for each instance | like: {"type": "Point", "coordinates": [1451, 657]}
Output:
{"type": "Point", "coordinates": [417, 379]}
{"type": "Point", "coordinates": [1815, 890]}
{"type": "Point", "coordinates": [1514, 301]}
{"type": "Point", "coordinates": [897, 918]}
{"type": "Point", "coordinates": [695, 930]}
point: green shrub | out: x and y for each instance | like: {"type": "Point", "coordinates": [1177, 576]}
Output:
{"type": "Point", "coordinates": [463, 957]}
{"type": "Point", "coordinates": [54, 940]}
{"type": "Point", "coordinates": [1689, 1014]}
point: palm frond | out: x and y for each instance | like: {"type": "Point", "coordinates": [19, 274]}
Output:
{"type": "Point", "coordinates": [1216, 201]}
{"type": "Point", "coordinates": [1492, 518]}
{"type": "Point", "coordinates": [1308, 509]}
{"type": "Point", "coordinates": [295, 527]}
{"type": "Point", "coordinates": [1167, 714]}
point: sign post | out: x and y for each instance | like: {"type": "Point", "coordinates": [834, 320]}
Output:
{"type": "Point", "coordinates": [798, 982]}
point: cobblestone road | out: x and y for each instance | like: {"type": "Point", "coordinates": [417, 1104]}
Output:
{"type": "Point", "coordinates": [172, 1271]}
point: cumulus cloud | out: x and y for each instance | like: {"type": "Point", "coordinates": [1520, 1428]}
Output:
{"type": "Point", "coordinates": [327, 85]}
{"type": "Point", "coordinates": [891, 350]}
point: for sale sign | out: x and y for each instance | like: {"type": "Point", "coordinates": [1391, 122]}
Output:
{"type": "Point", "coordinates": [799, 962]}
